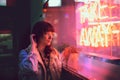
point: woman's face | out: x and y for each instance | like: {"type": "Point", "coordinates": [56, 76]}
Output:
{"type": "Point", "coordinates": [47, 38]}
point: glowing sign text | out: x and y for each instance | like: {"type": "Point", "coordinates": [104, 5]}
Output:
{"type": "Point", "coordinates": [102, 35]}
{"type": "Point", "coordinates": [95, 11]}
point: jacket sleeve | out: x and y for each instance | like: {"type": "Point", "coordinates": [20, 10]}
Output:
{"type": "Point", "coordinates": [28, 62]}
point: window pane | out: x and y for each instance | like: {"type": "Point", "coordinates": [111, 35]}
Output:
{"type": "Point", "coordinates": [2, 2]}
{"type": "Point", "coordinates": [5, 43]}
{"type": "Point", "coordinates": [54, 3]}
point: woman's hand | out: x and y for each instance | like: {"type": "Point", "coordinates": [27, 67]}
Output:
{"type": "Point", "coordinates": [34, 45]}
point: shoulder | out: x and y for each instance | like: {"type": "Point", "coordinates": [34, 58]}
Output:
{"type": "Point", "coordinates": [25, 51]}
{"type": "Point", "coordinates": [22, 54]}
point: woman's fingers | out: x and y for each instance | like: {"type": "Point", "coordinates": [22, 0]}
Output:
{"type": "Point", "coordinates": [32, 37]}
{"type": "Point", "coordinates": [33, 43]}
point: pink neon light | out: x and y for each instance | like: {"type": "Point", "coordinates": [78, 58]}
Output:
{"type": "Point", "coordinates": [95, 11]}
{"type": "Point", "coordinates": [100, 36]}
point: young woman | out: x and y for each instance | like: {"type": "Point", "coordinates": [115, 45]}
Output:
{"type": "Point", "coordinates": [40, 61]}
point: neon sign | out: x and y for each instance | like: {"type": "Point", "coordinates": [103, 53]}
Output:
{"type": "Point", "coordinates": [88, 13]}
{"type": "Point", "coordinates": [102, 29]}
{"type": "Point", "coordinates": [95, 11]}
{"type": "Point", "coordinates": [103, 35]}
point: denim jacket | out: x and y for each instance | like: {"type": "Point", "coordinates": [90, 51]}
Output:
{"type": "Point", "coordinates": [32, 69]}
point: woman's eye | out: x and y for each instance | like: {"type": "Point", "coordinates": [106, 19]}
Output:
{"type": "Point", "coordinates": [49, 35]}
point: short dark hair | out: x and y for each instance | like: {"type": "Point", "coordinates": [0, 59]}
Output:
{"type": "Point", "coordinates": [40, 28]}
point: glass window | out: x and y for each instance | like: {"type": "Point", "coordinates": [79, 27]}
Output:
{"type": "Point", "coordinates": [98, 27]}
{"type": "Point", "coordinates": [5, 42]}
{"type": "Point", "coordinates": [2, 2]}
{"type": "Point", "coordinates": [54, 3]}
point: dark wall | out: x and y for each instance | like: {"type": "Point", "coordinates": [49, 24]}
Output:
{"type": "Point", "coordinates": [18, 20]}
{"type": "Point", "coordinates": [8, 59]}
{"type": "Point", "coordinates": [22, 24]}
